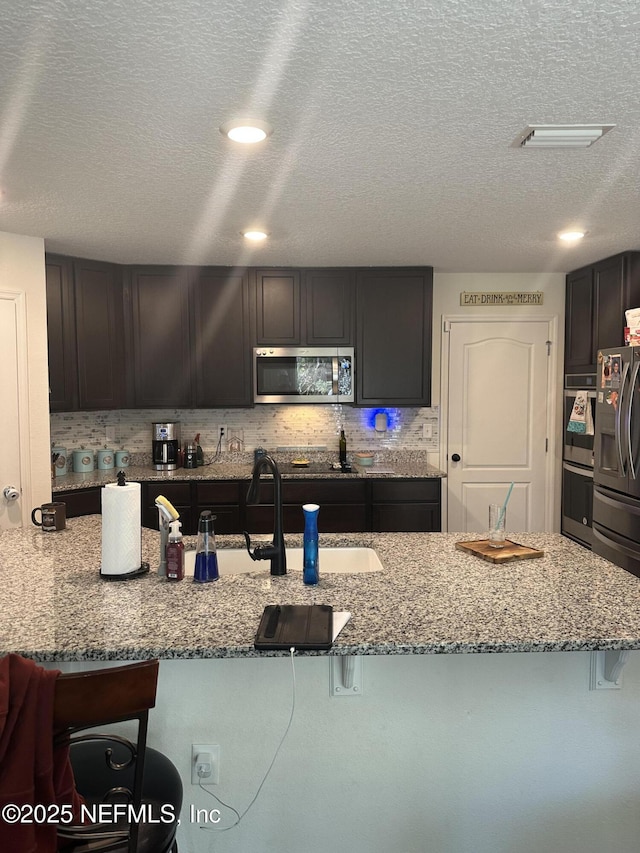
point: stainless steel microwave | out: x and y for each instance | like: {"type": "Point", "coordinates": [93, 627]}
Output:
{"type": "Point", "coordinates": [303, 375]}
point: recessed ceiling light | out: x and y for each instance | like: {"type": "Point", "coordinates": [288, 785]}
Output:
{"type": "Point", "coordinates": [246, 131]}
{"type": "Point", "coordinates": [571, 236]}
{"type": "Point", "coordinates": [560, 135]}
{"type": "Point", "coordinates": [255, 236]}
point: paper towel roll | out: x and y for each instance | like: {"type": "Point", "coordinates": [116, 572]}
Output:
{"type": "Point", "coordinates": [121, 529]}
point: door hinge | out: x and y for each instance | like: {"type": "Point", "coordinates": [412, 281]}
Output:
{"type": "Point", "coordinates": [446, 325]}
{"type": "Point", "coordinates": [548, 343]}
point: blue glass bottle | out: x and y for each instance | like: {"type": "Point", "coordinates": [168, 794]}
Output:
{"type": "Point", "coordinates": [206, 568]}
{"type": "Point", "coordinates": [310, 570]}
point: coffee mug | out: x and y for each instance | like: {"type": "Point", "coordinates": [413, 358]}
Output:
{"type": "Point", "coordinates": [53, 516]}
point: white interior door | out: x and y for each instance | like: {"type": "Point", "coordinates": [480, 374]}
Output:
{"type": "Point", "coordinates": [498, 423]}
{"type": "Point", "coordinates": [10, 392]}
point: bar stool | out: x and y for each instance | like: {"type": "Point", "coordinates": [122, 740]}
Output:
{"type": "Point", "coordinates": [136, 790]}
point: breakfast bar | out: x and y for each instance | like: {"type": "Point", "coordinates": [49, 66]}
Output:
{"type": "Point", "coordinates": [430, 598]}
{"type": "Point", "coordinates": [462, 696]}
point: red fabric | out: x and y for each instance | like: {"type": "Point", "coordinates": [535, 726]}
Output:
{"type": "Point", "coordinates": [31, 771]}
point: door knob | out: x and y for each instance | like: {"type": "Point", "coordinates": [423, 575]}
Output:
{"type": "Point", "coordinates": [455, 457]}
{"type": "Point", "coordinates": [11, 493]}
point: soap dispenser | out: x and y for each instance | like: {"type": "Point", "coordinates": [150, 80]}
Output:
{"type": "Point", "coordinates": [175, 553]}
{"type": "Point", "coordinates": [206, 568]}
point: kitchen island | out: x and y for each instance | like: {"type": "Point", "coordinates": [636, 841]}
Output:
{"type": "Point", "coordinates": [430, 599]}
{"type": "Point", "coordinates": [470, 734]}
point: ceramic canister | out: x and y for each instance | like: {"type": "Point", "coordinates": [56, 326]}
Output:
{"type": "Point", "coordinates": [106, 459]}
{"type": "Point", "coordinates": [123, 458]}
{"type": "Point", "coordinates": [60, 465]}
{"type": "Point", "coordinates": [82, 461]}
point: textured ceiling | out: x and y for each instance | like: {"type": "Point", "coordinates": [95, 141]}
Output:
{"type": "Point", "coordinates": [392, 122]}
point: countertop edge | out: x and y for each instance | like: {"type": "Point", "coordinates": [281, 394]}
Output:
{"type": "Point", "coordinates": [387, 650]}
{"type": "Point", "coordinates": [237, 471]}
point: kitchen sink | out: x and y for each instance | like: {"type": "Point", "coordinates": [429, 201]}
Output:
{"type": "Point", "coordinates": [341, 561]}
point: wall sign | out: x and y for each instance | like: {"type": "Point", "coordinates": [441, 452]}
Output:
{"type": "Point", "coordinates": [518, 298]}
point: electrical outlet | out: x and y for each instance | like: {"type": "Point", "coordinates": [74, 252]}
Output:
{"type": "Point", "coordinates": [110, 435]}
{"type": "Point", "coordinates": [427, 431]}
{"type": "Point", "coordinates": [223, 432]}
{"type": "Point", "coordinates": [213, 749]}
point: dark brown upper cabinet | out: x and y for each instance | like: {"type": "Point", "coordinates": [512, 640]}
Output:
{"type": "Point", "coordinates": [393, 323]}
{"type": "Point", "coordinates": [329, 306]}
{"type": "Point", "coordinates": [178, 337]}
{"type": "Point", "coordinates": [596, 298]}
{"type": "Point", "coordinates": [579, 344]}
{"type": "Point", "coordinates": [85, 334]}
{"type": "Point", "coordinates": [277, 306]}
{"type": "Point", "coordinates": [222, 337]}
{"type": "Point", "coordinates": [61, 335]}
{"type": "Point", "coordinates": [160, 336]}
{"type": "Point", "coordinates": [99, 335]}
{"type": "Point", "coordinates": [616, 289]}
{"type": "Point", "coordinates": [314, 307]}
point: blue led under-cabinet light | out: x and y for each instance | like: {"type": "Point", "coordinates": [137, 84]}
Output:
{"type": "Point", "coordinates": [370, 419]}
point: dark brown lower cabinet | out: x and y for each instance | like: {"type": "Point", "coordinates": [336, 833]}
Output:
{"type": "Point", "coordinates": [224, 498]}
{"type": "Point", "coordinates": [80, 501]}
{"type": "Point", "coordinates": [178, 494]}
{"type": "Point", "coordinates": [346, 506]}
{"type": "Point", "coordinates": [190, 498]}
{"type": "Point", "coordinates": [406, 505]}
{"type": "Point", "coordinates": [343, 506]}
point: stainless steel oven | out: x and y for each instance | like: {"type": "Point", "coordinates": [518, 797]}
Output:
{"type": "Point", "coordinates": [577, 465]}
{"type": "Point", "coordinates": [578, 448]}
{"type": "Point", "coordinates": [577, 503]}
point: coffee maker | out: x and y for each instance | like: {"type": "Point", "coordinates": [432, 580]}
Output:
{"type": "Point", "coordinates": [166, 446]}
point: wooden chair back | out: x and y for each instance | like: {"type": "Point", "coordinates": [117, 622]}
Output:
{"type": "Point", "coordinates": [102, 696]}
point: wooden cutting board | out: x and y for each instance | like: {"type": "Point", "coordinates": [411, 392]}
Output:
{"type": "Point", "coordinates": [511, 551]}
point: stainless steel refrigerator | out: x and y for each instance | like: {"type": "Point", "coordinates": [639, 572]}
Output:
{"type": "Point", "coordinates": [616, 474]}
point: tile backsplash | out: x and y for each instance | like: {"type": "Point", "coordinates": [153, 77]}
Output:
{"type": "Point", "coordinates": [263, 426]}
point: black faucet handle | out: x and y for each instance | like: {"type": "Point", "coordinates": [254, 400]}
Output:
{"type": "Point", "coordinates": [260, 552]}
{"type": "Point", "coordinates": [247, 539]}
{"type": "Point", "coordinates": [265, 552]}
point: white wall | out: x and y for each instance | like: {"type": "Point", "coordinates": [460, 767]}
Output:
{"type": "Point", "coordinates": [442, 753]}
{"type": "Point", "coordinates": [22, 269]}
{"type": "Point", "coordinates": [503, 753]}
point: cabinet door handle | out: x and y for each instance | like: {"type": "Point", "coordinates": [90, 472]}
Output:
{"type": "Point", "coordinates": [455, 457]}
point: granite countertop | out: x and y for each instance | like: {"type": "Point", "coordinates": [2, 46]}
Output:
{"type": "Point", "coordinates": [431, 599]}
{"type": "Point", "coordinates": [405, 466]}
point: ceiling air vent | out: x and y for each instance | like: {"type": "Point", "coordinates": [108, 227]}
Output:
{"type": "Point", "coordinates": [560, 135]}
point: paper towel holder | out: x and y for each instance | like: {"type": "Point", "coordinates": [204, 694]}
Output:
{"type": "Point", "coordinates": [136, 573]}
{"type": "Point", "coordinates": [123, 576]}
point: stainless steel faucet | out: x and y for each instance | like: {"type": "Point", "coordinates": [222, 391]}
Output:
{"type": "Point", "coordinates": [275, 551]}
